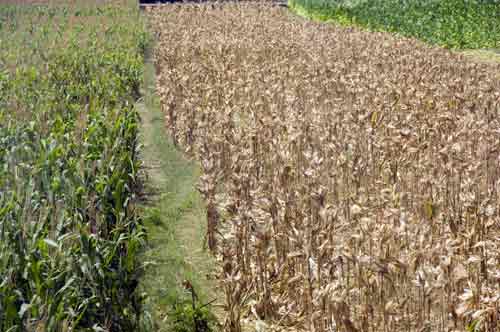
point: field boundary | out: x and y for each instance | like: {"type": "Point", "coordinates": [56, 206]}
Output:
{"type": "Point", "coordinates": [490, 56]}
{"type": "Point", "coordinates": [174, 216]}
{"type": "Point", "coordinates": [450, 24]}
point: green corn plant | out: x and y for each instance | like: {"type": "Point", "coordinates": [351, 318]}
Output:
{"type": "Point", "coordinates": [70, 235]}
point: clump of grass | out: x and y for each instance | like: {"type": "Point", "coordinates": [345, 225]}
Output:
{"type": "Point", "coordinates": [69, 232]}
{"type": "Point", "coordinates": [351, 178]}
{"type": "Point", "coordinates": [191, 317]}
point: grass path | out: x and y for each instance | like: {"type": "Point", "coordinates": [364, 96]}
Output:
{"type": "Point", "coordinates": [175, 215]}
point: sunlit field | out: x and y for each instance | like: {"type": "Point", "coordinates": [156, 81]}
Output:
{"type": "Point", "coordinates": [351, 178]}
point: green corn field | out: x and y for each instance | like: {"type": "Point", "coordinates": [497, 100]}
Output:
{"type": "Point", "coordinates": [69, 231]}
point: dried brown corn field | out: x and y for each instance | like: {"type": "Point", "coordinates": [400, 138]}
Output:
{"type": "Point", "coordinates": [352, 179]}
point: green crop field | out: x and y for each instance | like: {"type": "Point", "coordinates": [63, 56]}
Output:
{"type": "Point", "coordinates": [69, 231]}
{"type": "Point", "coordinates": [458, 24]}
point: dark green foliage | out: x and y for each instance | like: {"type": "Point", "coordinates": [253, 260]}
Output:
{"type": "Point", "coordinates": [69, 233]}
{"type": "Point", "coordinates": [186, 318]}
{"type": "Point", "coordinates": [461, 24]}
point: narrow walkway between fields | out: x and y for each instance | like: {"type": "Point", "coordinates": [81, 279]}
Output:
{"type": "Point", "coordinates": [175, 216]}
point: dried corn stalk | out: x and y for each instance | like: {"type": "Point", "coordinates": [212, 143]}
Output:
{"type": "Point", "coordinates": [352, 178]}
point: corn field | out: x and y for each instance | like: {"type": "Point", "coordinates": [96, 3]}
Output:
{"type": "Point", "coordinates": [351, 178]}
{"type": "Point", "coordinates": [70, 234]}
